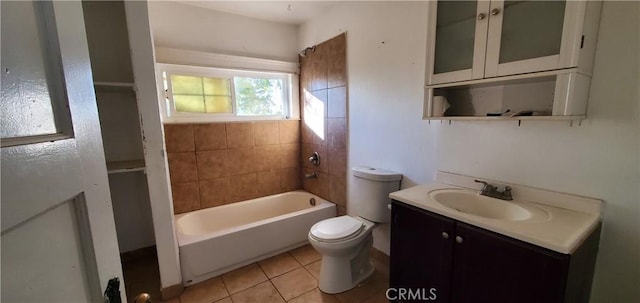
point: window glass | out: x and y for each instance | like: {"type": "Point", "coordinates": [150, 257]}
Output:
{"type": "Point", "coordinates": [193, 94]}
{"type": "Point", "coordinates": [259, 96]}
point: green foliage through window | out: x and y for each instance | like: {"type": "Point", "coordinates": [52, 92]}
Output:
{"type": "Point", "coordinates": [258, 96]}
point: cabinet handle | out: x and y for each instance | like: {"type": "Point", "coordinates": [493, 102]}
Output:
{"type": "Point", "coordinates": [445, 235]}
{"type": "Point", "coordinates": [481, 16]}
{"type": "Point", "coordinates": [495, 11]}
{"type": "Point", "coordinates": [459, 239]}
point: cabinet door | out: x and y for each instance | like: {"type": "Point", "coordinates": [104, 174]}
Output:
{"type": "Point", "coordinates": [489, 267]}
{"type": "Point", "coordinates": [421, 252]}
{"type": "Point", "coordinates": [456, 40]}
{"type": "Point", "coordinates": [531, 36]}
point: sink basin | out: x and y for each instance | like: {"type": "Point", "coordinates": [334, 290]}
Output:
{"type": "Point", "coordinates": [472, 203]}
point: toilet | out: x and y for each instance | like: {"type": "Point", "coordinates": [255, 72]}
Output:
{"type": "Point", "coordinates": [345, 242]}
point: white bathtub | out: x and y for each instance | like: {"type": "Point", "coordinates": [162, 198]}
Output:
{"type": "Point", "coordinates": [216, 240]}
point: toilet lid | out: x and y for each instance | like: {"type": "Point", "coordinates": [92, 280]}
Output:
{"type": "Point", "coordinates": [336, 228]}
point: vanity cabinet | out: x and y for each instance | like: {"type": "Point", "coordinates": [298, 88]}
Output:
{"type": "Point", "coordinates": [464, 263]}
{"type": "Point", "coordinates": [485, 48]}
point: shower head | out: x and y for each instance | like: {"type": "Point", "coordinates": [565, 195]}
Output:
{"type": "Point", "coordinates": [303, 53]}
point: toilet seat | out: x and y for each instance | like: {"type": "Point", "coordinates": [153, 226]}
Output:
{"type": "Point", "coordinates": [337, 229]}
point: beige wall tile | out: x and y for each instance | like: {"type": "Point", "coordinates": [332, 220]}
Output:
{"type": "Point", "coordinates": [341, 211]}
{"type": "Point", "coordinates": [186, 197]}
{"type": "Point", "coordinates": [213, 192]}
{"type": "Point", "coordinates": [318, 185]}
{"type": "Point", "coordinates": [318, 71]}
{"type": "Point", "coordinates": [338, 190]}
{"type": "Point", "coordinates": [239, 135]}
{"type": "Point", "coordinates": [267, 157]}
{"type": "Point", "coordinates": [211, 164]}
{"type": "Point", "coordinates": [182, 167]}
{"type": "Point", "coordinates": [243, 278]}
{"type": "Point", "coordinates": [290, 155]}
{"type": "Point", "coordinates": [337, 162]}
{"type": "Point", "coordinates": [337, 61]}
{"type": "Point", "coordinates": [242, 187]}
{"type": "Point", "coordinates": [291, 179]}
{"type": "Point", "coordinates": [266, 133]}
{"type": "Point", "coordinates": [307, 151]}
{"type": "Point", "coordinates": [314, 113]}
{"type": "Point", "coordinates": [210, 136]}
{"type": "Point", "coordinates": [289, 131]}
{"type": "Point", "coordinates": [268, 183]}
{"type": "Point", "coordinates": [263, 293]}
{"type": "Point", "coordinates": [337, 102]}
{"type": "Point", "coordinates": [241, 161]}
{"type": "Point", "coordinates": [294, 283]}
{"type": "Point", "coordinates": [337, 133]}
{"type": "Point", "coordinates": [179, 138]}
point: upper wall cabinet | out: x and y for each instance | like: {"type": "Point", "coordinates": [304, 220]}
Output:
{"type": "Point", "coordinates": [470, 40]}
{"type": "Point", "coordinates": [510, 59]}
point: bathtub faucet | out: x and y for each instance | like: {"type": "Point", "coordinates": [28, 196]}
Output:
{"type": "Point", "coordinates": [312, 175]}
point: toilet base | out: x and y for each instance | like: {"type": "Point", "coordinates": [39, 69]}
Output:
{"type": "Point", "coordinates": [339, 274]}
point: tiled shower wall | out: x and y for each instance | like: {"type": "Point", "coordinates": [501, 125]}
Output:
{"type": "Point", "coordinates": [323, 82]}
{"type": "Point", "coordinates": [221, 163]}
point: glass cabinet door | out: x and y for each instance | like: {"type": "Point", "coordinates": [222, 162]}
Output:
{"type": "Point", "coordinates": [455, 51]}
{"type": "Point", "coordinates": [524, 36]}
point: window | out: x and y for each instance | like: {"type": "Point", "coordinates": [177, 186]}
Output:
{"type": "Point", "coordinates": [201, 94]}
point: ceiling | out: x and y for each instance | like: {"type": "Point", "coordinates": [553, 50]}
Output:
{"type": "Point", "coordinates": [288, 12]}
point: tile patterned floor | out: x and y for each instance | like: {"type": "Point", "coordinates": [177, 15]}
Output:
{"type": "Point", "coordinates": [288, 277]}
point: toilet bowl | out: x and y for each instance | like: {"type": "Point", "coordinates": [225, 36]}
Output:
{"type": "Point", "coordinates": [345, 242]}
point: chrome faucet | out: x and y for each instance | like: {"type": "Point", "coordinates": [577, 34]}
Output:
{"type": "Point", "coordinates": [493, 192]}
{"type": "Point", "coordinates": [312, 175]}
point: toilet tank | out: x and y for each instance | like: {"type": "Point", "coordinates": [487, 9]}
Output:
{"type": "Point", "coordinates": [371, 189]}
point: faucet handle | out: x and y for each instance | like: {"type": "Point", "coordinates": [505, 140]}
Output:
{"type": "Point", "coordinates": [478, 181]}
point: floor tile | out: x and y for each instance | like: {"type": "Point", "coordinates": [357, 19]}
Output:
{"type": "Point", "coordinates": [370, 287]}
{"type": "Point", "coordinates": [174, 300]}
{"type": "Point", "coordinates": [377, 298]}
{"type": "Point", "coordinates": [278, 265]}
{"type": "Point", "coordinates": [204, 292]}
{"type": "Point", "coordinates": [225, 300]}
{"type": "Point", "coordinates": [263, 293]}
{"type": "Point", "coordinates": [315, 296]}
{"type": "Point", "coordinates": [314, 269]}
{"type": "Point", "coordinates": [243, 278]}
{"type": "Point", "coordinates": [306, 254]}
{"type": "Point", "coordinates": [295, 283]}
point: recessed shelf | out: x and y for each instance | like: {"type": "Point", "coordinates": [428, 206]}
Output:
{"type": "Point", "coordinates": [115, 167]}
{"type": "Point", "coordinates": [114, 84]}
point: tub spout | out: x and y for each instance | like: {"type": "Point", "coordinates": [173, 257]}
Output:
{"type": "Point", "coordinates": [312, 175]}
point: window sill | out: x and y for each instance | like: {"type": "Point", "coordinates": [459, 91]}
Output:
{"type": "Point", "coordinates": [189, 120]}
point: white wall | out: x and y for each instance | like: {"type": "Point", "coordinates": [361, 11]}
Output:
{"type": "Point", "coordinates": [598, 159]}
{"type": "Point", "coordinates": [184, 26]}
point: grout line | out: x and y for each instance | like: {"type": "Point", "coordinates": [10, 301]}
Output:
{"type": "Point", "coordinates": [277, 290]}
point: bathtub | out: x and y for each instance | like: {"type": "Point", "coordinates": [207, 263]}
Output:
{"type": "Point", "coordinates": [216, 240]}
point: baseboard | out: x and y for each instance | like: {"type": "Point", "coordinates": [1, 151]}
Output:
{"type": "Point", "coordinates": [171, 292]}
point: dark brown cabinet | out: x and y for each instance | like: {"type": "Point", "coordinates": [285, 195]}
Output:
{"type": "Point", "coordinates": [438, 259]}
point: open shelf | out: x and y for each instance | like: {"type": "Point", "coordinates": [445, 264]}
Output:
{"type": "Point", "coordinates": [115, 167]}
{"type": "Point", "coordinates": [114, 84]}
{"type": "Point", "coordinates": [553, 95]}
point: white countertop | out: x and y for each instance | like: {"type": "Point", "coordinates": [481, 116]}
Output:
{"type": "Point", "coordinates": [562, 221]}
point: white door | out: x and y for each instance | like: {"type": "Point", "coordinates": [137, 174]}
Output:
{"type": "Point", "coordinates": [58, 235]}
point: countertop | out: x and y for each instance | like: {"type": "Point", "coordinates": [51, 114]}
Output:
{"type": "Point", "coordinates": [562, 221]}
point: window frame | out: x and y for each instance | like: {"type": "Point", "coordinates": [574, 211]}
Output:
{"type": "Point", "coordinates": [170, 115]}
